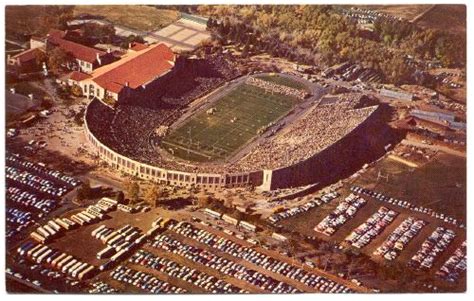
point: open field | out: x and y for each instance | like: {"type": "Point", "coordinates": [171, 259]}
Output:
{"type": "Point", "coordinates": [429, 185]}
{"type": "Point", "coordinates": [139, 17]}
{"type": "Point", "coordinates": [451, 18]}
{"type": "Point", "coordinates": [214, 136]}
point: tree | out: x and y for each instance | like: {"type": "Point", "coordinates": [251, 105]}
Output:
{"type": "Point", "coordinates": [84, 191]}
{"type": "Point", "coordinates": [58, 58]}
{"type": "Point", "coordinates": [41, 58]}
{"type": "Point", "coordinates": [203, 199]}
{"type": "Point", "coordinates": [104, 33]}
{"type": "Point", "coordinates": [155, 195]}
{"type": "Point", "coordinates": [130, 39]}
{"type": "Point", "coordinates": [120, 197]}
{"type": "Point", "coordinates": [76, 90]}
{"type": "Point", "coordinates": [133, 190]}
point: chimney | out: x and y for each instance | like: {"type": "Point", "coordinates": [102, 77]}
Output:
{"type": "Point", "coordinates": [126, 84]}
{"type": "Point", "coordinates": [130, 45]}
{"type": "Point", "coordinates": [30, 96]}
{"type": "Point", "coordinates": [97, 56]}
{"type": "Point", "coordinates": [109, 50]}
{"type": "Point", "coordinates": [12, 90]}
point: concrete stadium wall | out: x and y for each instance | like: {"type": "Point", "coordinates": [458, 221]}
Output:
{"type": "Point", "coordinates": [341, 159]}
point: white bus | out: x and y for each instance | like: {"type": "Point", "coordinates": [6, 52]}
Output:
{"type": "Point", "coordinates": [85, 273]}
{"type": "Point", "coordinates": [34, 249]}
{"type": "Point", "coordinates": [43, 256]}
{"type": "Point", "coordinates": [97, 230]}
{"type": "Point", "coordinates": [58, 259]}
{"type": "Point", "coordinates": [68, 265]}
{"type": "Point", "coordinates": [212, 213]}
{"type": "Point", "coordinates": [76, 272]}
{"type": "Point", "coordinates": [63, 262]}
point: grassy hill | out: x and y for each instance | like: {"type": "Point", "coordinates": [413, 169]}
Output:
{"type": "Point", "coordinates": [140, 17]}
{"type": "Point", "coordinates": [446, 17]}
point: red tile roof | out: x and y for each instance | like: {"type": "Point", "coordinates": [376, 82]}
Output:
{"type": "Point", "coordinates": [138, 46]}
{"type": "Point", "coordinates": [78, 76]}
{"type": "Point", "coordinates": [26, 55]}
{"type": "Point", "coordinates": [138, 71]}
{"type": "Point", "coordinates": [77, 50]}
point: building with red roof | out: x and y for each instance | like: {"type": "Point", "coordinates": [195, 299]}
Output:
{"type": "Point", "coordinates": [24, 62]}
{"type": "Point", "coordinates": [137, 71]}
{"type": "Point", "coordinates": [87, 58]}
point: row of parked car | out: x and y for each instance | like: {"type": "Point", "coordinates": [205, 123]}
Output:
{"type": "Point", "coordinates": [173, 269]}
{"type": "Point", "coordinates": [399, 238]}
{"type": "Point", "coordinates": [33, 190]}
{"type": "Point", "coordinates": [371, 228]}
{"type": "Point", "coordinates": [41, 170]}
{"type": "Point", "coordinates": [345, 211]}
{"type": "Point", "coordinates": [30, 201]}
{"type": "Point", "coordinates": [455, 265]}
{"type": "Point", "coordinates": [432, 247]}
{"type": "Point", "coordinates": [262, 260]}
{"type": "Point", "coordinates": [100, 287]}
{"type": "Point", "coordinates": [408, 205]}
{"type": "Point", "coordinates": [223, 265]}
{"type": "Point", "coordinates": [32, 182]}
{"type": "Point", "coordinates": [276, 217]}
{"type": "Point", "coordinates": [17, 220]}
{"type": "Point", "coordinates": [144, 281]}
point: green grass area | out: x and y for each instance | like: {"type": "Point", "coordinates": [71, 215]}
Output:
{"type": "Point", "coordinates": [207, 137]}
{"type": "Point", "coordinates": [284, 81]}
{"type": "Point", "coordinates": [139, 17]}
{"type": "Point", "coordinates": [440, 184]}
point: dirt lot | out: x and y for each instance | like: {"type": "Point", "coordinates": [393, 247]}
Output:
{"type": "Point", "coordinates": [439, 184]}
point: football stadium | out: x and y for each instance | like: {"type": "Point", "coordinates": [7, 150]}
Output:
{"type": "Point", "coordinates": [209, 125]}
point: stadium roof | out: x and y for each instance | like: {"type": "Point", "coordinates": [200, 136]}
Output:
{"type": "Point", "coordinates": [136, 70]}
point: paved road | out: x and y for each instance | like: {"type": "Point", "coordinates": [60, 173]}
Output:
{"type": "Point", "coordinates": [435, 147]}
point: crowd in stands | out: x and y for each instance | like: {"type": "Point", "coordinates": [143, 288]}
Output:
{"type": "Point", "coordinates": [322, 126]}
{"type": "Point", "coordinates": [276, 88]}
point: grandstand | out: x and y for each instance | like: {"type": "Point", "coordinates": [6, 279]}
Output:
{"type": "Point", "coordinates": [227, 141]}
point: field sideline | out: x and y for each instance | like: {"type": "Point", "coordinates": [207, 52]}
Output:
{"type": "Point", "coordinates": [208, 137]}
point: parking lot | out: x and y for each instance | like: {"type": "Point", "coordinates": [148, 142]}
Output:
{"type": "Point", "coordinates": [408, 228]}
{"type": "Point", "coordinates": [33, 191]}
{"type": "Point", "coordinates": [193, 256]}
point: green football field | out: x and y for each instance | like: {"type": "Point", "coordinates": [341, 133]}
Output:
{"type": "Point", "coordinates": [205, 137]}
